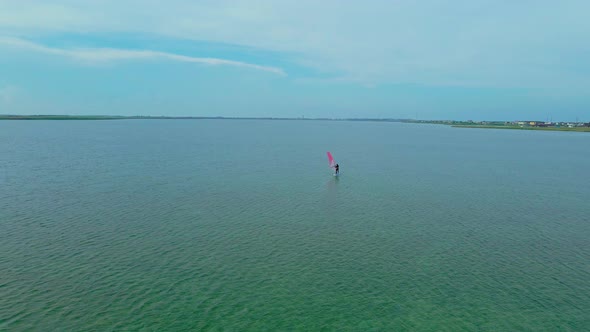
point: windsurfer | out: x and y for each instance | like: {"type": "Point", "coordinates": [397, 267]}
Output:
{"type": "Point", "coordinates": [337, 167]}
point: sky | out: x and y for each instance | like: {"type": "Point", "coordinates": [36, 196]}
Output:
{"type": "Point", "coordinates": [429, 59]}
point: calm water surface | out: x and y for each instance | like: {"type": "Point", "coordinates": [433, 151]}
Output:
{"type": "Point", "coordinates": [239, 225]}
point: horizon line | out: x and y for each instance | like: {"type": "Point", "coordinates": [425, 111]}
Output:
{"type": "Point", "coordinates": [171, 117]}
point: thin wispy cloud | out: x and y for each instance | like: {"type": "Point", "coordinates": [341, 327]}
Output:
{"type": "Point", "coordinates": [95, 55]}
{"type": "Point", "coordinates": [473, 43]}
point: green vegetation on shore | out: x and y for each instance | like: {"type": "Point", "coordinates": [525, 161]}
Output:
{"type": "Point", "coordinates": [141, 117]}
{"type": "Point", "coordinates": [514, 125]}
{"type": "Point", "coordinates": [60, 117]}
{"type": "Point", "coordinates": [520, 125]}
{"type": "Point", "coordinates": [582, 129]}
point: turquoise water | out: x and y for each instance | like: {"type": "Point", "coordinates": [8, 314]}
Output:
{"type": "Point", "coordinates": [239, 225]}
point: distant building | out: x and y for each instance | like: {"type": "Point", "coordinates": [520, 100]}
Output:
{"type": "Point", "coordinates": [537, 124]}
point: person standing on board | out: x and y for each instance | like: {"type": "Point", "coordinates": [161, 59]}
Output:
{"type": "Point", "coordinates": [337, 167]}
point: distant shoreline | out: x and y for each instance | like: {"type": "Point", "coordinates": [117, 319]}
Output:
{"type": "Point", "coordinates": [576, 129]}
{"type": "Point", "coordinates": [523, 125]}
{"type": "Point", "coordinates": [140, 117]}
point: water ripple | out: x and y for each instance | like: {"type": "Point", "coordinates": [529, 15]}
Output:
{"type": "Point", "coordinates": [133, 225]}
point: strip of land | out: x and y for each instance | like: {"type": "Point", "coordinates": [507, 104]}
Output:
{"type": "Point", "coordinates": [141, 117]}
{"type": "Point", "coordinates": [514, 125]}
{"type": "Point", "coordinates": [85, 117]}
{"type": "Point", "coordinates": [581, 128]}
{"type": "Point", "coordinates": [60, 117]}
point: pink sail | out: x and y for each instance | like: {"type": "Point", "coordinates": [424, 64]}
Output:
{"type": "Point", "coordinates": [331, 160]}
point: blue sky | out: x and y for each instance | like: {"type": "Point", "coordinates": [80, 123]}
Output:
{"type": "Point", "coordinates": [428, 59]}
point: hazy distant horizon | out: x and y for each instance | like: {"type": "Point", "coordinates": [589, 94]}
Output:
{"type": "Point", "coordinates": [286, 118]}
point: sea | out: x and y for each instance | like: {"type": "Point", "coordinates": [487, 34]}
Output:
{"type": "Point", "coordinates": [240, 225]}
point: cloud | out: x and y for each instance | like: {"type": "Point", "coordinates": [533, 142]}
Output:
{"type": "Point", "coordinates": [112, 54]}
{"type": "Point", "coordinates": [481, 42]}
